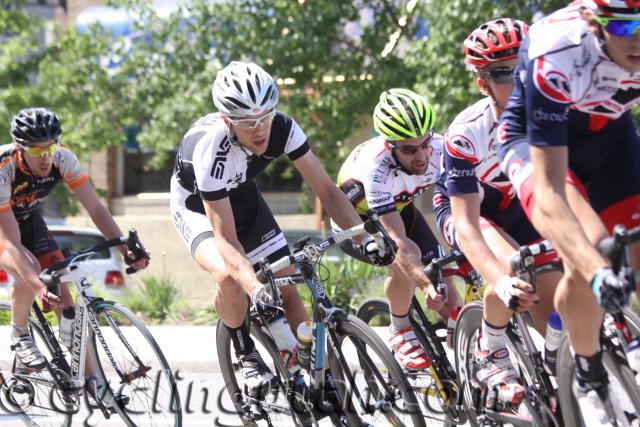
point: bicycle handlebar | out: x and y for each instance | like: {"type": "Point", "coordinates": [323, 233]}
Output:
{"type": "Point", "coordinates": [314, 250]}
{"type": "Point", "coordinates": [132, 241]}
{"type": "Point", "coordinates": [523, 259]}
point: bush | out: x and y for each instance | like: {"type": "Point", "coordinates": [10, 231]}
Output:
{"type": "Point", "coordinates": [155, 300]}
{"type": "Point", "coordinates": [349, 281]}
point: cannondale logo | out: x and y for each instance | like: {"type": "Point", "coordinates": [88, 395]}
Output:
{"type": "Point", "coordinates": [217, 170]}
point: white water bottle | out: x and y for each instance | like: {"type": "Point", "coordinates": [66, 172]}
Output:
{"type": "Point", "coordinates": [66, 326]}
{"type": "Point", "coordinates": [286, 343]}
{"type": "Point", "coordinates": [552, 341]}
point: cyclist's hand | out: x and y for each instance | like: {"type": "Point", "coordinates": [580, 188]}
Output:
{"type": "Point", "coordinates": [262, 301]}
{"type": "Point", "coordinates": [138, 263]}
{"type": "Point", "coordinates": [50, 300]}
{"type": "Point", "coordinates": [377, 255]}
{"type": "Point", "coordinates": [610, 290]}
{"type": "Point", "coordinates": [433, 300]}
{"type": "Point", "coordinates": [516, 294]}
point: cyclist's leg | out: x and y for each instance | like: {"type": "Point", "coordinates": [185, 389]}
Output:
{"type": "Point", "coordinates": [419, 232]}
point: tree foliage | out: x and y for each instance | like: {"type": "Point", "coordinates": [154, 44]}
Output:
{"type": "Point", "coordinates": [438, 60]}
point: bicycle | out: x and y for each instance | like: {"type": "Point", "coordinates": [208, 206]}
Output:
{"type": "Point", "coordinates": [125, 354]}
{"type": "Point", "coordinates": [539, 406]}
{"type": "Point", "coordinates": [619, 328]}
{"type": "Point", "coordinates": [369, 381]}
{"type": "Point", "coordinates": [437, 388]}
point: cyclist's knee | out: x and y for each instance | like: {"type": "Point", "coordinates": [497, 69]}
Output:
{"type": "Point", "coordinates": [228, 289]}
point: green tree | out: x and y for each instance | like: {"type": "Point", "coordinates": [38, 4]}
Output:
{"type": "Point", "coordinates": [438, 60]}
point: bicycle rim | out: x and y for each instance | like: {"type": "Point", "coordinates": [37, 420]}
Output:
{"type": "Point", "coordinates": [31, 397]}
{"type": "Point", "coordinates": [135, 367]}
{"type": "Point", "coordinates": [275, 409]}
{"type": "Point", "coordinates": [381, 385]}
{"type": "Point", "coordinates": [375, 311]}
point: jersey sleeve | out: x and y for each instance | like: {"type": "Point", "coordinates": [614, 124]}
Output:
{"type": "Point", "coordinates": [211, 168]}
{"type": "Point", "coordinates": [5, 186]}
{"type": "Point", "coordinates": [548, 99]}
{"type": "Point", "coordinates": [70, 169]}
{"type": "Point", "coordinates": [378, 188]}
{"type": "Point", "coordinates": [459, 161]}
{"type": "Point", "coordinates": [296, 145]}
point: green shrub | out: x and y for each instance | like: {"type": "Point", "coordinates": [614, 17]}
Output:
{"type": "Point", "coordinates": [155, 299]}
{"type": "Point", "coordinates": [349, 281]}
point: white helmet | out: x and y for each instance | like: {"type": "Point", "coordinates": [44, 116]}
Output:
{"type": "Point", "coordinates": [629, 9]}
{"type": "Point", "coordinates": [244, 89]}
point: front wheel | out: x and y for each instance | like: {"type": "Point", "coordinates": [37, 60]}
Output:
{"type": "Point", "coordinates": [141, 387]}
{"type": "Point", "coordinates": [621, 378]}
{"type": "Point", "coordinates": [369, 377]}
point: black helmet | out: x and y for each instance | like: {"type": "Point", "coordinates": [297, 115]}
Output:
{"type": "Point", "coordinates": [33, 125]}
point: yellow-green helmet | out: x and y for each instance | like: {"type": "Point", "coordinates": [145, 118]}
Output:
{"type": "Point", "coordinates": [403, 114]}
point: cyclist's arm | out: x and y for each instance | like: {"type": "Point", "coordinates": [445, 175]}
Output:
{"type": "Point", "coordinates": [103, 219]}
{"type": "Point", "coordinates": [333, 200]}
{"type": "Point", "coordinates": [408, 255]}
{"type": "Point", "coordinates": [15, 257]}
{"type": "Point", "coordinates": [466, 213]}
{"type": "Point", "coordinates": [553, 216]}
{"type": "Point", "coordinates": [234, 263]}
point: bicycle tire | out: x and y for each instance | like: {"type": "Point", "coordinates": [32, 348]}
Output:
{"type": "Point", "coordinates": [228, 369]}
{"type": "Point", "coordinates": [369, 311]}
{"type": "Point", "coordinates": [623, 374]}
{"type": "Point", "coordinates": [120, 329]}
{"type": "Point", "coordinates": [47, 417]}
{"type": "Point", "coordinates": [360, 335]}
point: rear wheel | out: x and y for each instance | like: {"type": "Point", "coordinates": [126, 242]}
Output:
{"type": "Point", "coordinates": [33, 396]}
{"type": "Point", "coordinates": [276, 409]}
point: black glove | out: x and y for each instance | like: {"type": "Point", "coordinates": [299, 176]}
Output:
{"type": "Point", "coordinates": [611, 291]}
{"type": "Point", "coordinates": [379, 256]}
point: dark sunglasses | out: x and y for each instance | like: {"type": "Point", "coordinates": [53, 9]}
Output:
{"type": "Point", "coordinates": [500, 75]}
{"type": "Point", "coordinates": [410, 150]}
{"type": "Point", "coordinates": [619, 27]}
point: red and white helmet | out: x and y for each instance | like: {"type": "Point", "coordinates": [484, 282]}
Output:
{"type": "Point", "coordinates": [615, 8]}
{"type": "Point", "coordinates": [493, 41]}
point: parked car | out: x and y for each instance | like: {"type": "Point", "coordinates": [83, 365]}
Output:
{"type": "Point", "coordinates": [104, 269]}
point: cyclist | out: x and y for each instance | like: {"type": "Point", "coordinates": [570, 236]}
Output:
{"type": "Point", "coordinates": [487, 222]}
{"type": "Point", "coordinates": [569, 145]}
{"type": "Point", "coordinates": [384, 175]}
{"type": "Point", "coordinates": [221, 215]}
{"type": "Point", "coordinates": [30, 168]}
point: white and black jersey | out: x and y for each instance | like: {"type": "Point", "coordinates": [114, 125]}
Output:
{"type": "Point", "coordinates": [211, 165]}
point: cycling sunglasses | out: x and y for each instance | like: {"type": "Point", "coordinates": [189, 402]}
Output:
{"type": "Point", "coordinates": [619, 27]}
{"type": "Point", "coordinates": [254, 123]}
{"type": "Point", "coordinates": [410, 150]}
{"type": "Point", "coordinates": [49, 150]}
{"type": "Point", "coordinates": [500, 75]}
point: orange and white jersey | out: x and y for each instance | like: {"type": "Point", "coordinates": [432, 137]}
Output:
{"type": "Point", "coordinates": [22, 191]}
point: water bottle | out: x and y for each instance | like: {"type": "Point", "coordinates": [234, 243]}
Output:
{"type": "Point", "coordinates": [305, 334]}
{"type": "Point", "coordinates": [66, 326]}
{"type": "Point", "coordinates": [552, 342]}
{"type": "Point", "coordinates": [286, 343]}
{"type": "Point", "coordinates": [451, 324]}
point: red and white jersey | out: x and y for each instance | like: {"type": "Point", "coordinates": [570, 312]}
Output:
{"type": "Point", "coordinates": [470, 153]}
{"type": "Point", "coordinates": [570, 67]}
